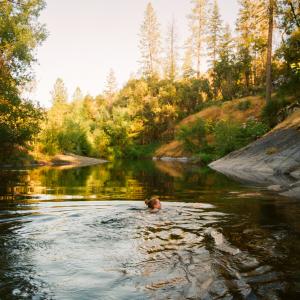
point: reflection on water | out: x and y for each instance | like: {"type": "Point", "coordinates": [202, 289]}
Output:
{"type": "Point", "coordinates": [213, 239]}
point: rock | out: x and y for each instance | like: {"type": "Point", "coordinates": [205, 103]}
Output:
{"type": "Point", "coordinates": [275, 188]}
{"type": "Point", "coordinates": [171, 159]}
{"type": "Point", "coordinates": [279, 170]}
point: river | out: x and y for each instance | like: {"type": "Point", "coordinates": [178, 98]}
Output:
{"type": "Point", "coordinates": [86, 234]}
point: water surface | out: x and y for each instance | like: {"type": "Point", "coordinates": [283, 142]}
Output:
{"type": "Point", "coordinates": [86, 234]}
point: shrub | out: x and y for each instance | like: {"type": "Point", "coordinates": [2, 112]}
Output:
{"type": "Point", "coordinates": [194, 136]}
{"type": "Point", "coordinates": [231, 136]}
{"type": "Point", "coordinates": [203, 157]}
{"type": "Point", "coordinates": [243, 105]}
{"type": "Point", "coordinates": [227, 137]}
{"type": "Point", "coordinates": [135, 151]}
{"type": "Point", "coordinates": [270, 111]}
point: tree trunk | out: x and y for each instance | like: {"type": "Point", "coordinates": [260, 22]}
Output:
{"type": "Point", "coordinates": [269, 53]}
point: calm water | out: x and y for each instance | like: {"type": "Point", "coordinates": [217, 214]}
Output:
{"type": "Point", "coordinates": [86, 234]}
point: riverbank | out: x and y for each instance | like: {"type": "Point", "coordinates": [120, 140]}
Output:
{"type": "Point", "coordinates": [272, 161]}
{"type": "Point", "coordinates": [60, 160]}
{"type": "Point", "coordinates": [75, 161]}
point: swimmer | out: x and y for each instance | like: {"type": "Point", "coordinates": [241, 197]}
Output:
{"type": "Point", "coordinates": [153, 203]}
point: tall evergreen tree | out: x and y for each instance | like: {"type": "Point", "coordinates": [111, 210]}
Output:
{"type": "Point", "coordinates": [110, 87]}
{"type": "Point", "coordinates": [171, 52]}
{"type": "Point", "coordinates": [59, 93]}
{"type": "Point", "coordinates": [252, 27]}
{"type": "Point", "coordinates": [150, 44]}
{"type": "Point", "coordinates": [215, 33]}
{"type": "Point", "coordinates": [187, 66]}
{"type": "Point", "coordinates": [77, 96]}
{"type": "Point", "coordinates": [198, 26]}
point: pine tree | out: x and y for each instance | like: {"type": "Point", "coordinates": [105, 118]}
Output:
{"type": "Point", "coordinates": [198, 27]}
{"type": "Point", "coordinates": [252, 26]}
{"type": "Point", "coordinates": [225, 49]}
{"type": "Point", "coordinates": [59, 109]}
{"type": "Point", "coordinates": [59, 93]}
{"type": "Point", "coordinates": [215, 33]}
{"type": "Point", "coordinates": [110, 87]}
{"type": "Point", "coordinates": [77, 96]}
{"type": "Point", "coordinates": [187, 66]}
{"type": "Point", "coordinates": [171, 52]}
{"type": "Point", "coordinates": [150, 44]}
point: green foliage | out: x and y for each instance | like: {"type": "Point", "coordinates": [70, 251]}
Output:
{"type": "Point", "coordinates": [230, 136]}
{"type": "Point", "coordinates": [136, 151]}
{"type": "Point", "coordinates": [73, 138]}
{"type": "Point", "coordinates": [203, 157]}
{"type": "Point", "coordinates": [243, 105]}
{"type": "Point", "coordinates": [126, 123]}
{"type": "Point", "coordinates": [271, 110]}
{"type": "Point", "coordinates": [225, 137]}
{"type": "Point", "coordinates": [193, 136]}
{"type": "Point", "coordinates": [20, 33]}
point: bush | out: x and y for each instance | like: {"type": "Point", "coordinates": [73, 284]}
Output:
{"type": "Point", "coordinates": [244, 105]}
{"type": "Point", "coordinates": [203, 157]}
{"type": "Point", "coordinates": [135, 151]}
{"type": "Point", "coordinates": [233, 136]}
{"type": "Point", "coordinates": [194, 136]}
{"type": "Point", "coordinates": [225, 136]}
{"type": "Point", "coordinates": [270, 111]}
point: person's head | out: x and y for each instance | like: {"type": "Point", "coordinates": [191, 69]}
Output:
{"type": "Point", "coordinates": [153, 202]}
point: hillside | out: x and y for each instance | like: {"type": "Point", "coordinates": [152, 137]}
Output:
{"type": "Point", "coordinates": [240, 110]}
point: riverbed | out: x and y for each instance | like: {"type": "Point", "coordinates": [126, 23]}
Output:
{"type": "Point", "coordinates": [85, 233]}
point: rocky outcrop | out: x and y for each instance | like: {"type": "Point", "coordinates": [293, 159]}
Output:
{"type": "Point", "coordinates": [272, 161]}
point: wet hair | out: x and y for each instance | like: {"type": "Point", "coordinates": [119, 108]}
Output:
{"type": "Point", "coordinates": [152, 202]}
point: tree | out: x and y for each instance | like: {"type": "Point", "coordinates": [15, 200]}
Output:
{"type": "Point", "coordinates": [198, 27]}
{"type": "Point", "coordinates": [187, 66]}
{"type": "Point", "coordinates": [288, 12]}
{"type": "Point", "coordinates": [59, 93]}
{"type": "Point", "coordinates": [171, 52]}
{"type": "Point", "coordinates": [252, 27]}
{"type": "Point", "coordinates": [227, 71]}
{"type": "Point", "coordinates": [150, 44]}
{"type": "Point", "coordinates": [269, 56]}
{"type": "Point", "coordinates": [213, 39]}
{"type": "Point", "coordinates": [59, 109]}
{"type": "Point", "coordinates": [215, 32]}
{"type": "Point", "coordinates": [110, 87]}
{"type": "Point", "coordinates": [20, 34]}
{"type": "Point", "coordinates": [77, 96]}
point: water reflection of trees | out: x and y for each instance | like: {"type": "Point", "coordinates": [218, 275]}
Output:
{"type": "Point", "coordinates": [13, 183]}
{"type": "Point", "coordinates": [131, 180]}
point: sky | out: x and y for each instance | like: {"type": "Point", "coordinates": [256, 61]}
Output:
{"type": "Point", "coordinates": [87, 38]}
